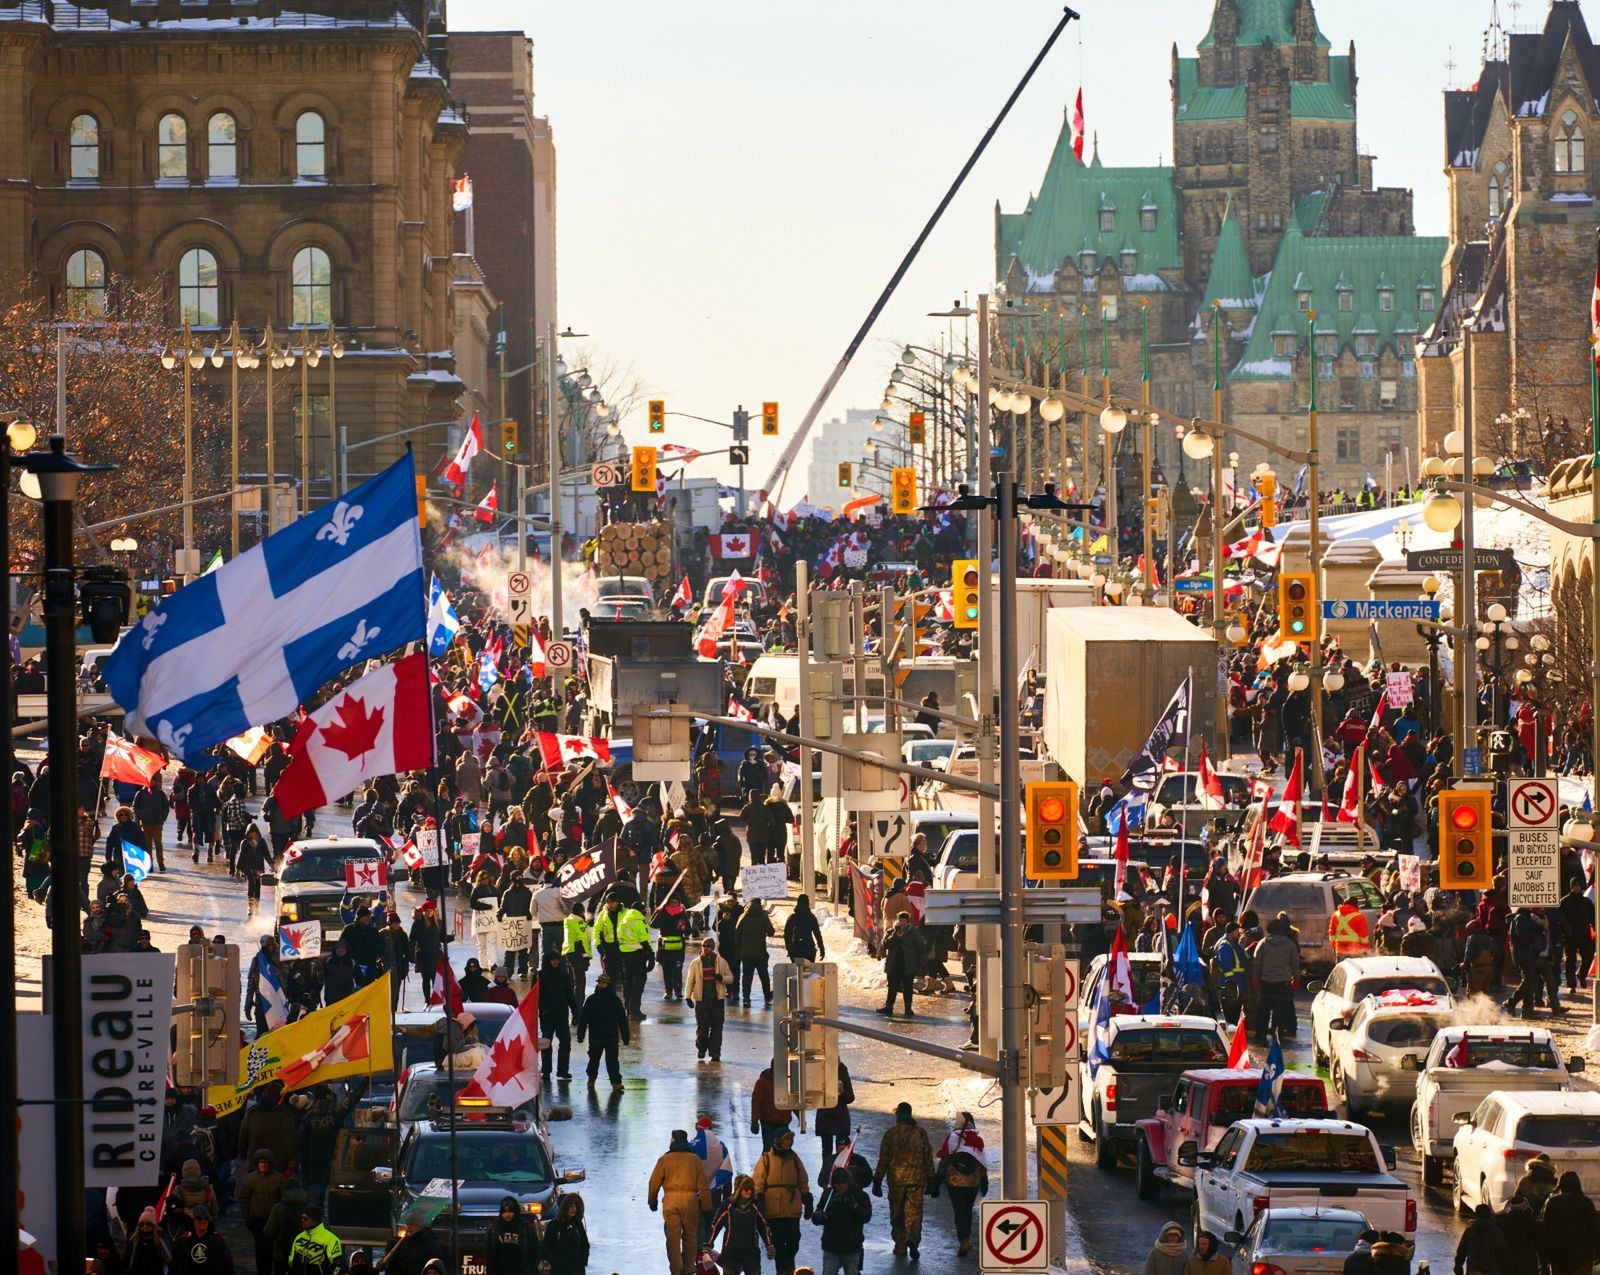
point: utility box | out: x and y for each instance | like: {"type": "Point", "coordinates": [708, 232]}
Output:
{"type": "Point", "coordinates": [864, 784]}
{"type": "Point", "coordinates": [805, 1060]}
{"type": "Point", "coordinates": [1111, 672]}
{"type": "Point", "coordinates": [660, 744]}
{"type": "Point", "coordinates": [208, 1022]}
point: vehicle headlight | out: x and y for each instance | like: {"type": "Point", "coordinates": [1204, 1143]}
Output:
{"type": "Point", "coordinates": [291, 909]}
{"type": "Point", "coordinates": [533, 1206]}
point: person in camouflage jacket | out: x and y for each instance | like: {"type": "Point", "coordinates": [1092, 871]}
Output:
{"type": "Point", "coordinates": [905, 1157]}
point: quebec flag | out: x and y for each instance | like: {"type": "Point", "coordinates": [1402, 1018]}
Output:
{"type": "Point", "coordinates": [257, 637]}
{"type": "Point", "coordinates": [443, 622]}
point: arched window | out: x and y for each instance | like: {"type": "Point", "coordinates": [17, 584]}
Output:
{"type": "Point", "coordinates": [86, 283]}
{"type": "Point", "coordinates": [1499, 190]}
{"type": "Point", "coordinates": [313, 287]}
{"type": "Point", "coordinates": [172, 148]}
{"type": "Point", "coordinates": [222, 147]}
{"type": "Point", "coordinates": [84, 141]}
{"type": "Point", "coordinates": [198, 296]}
{"type": "Point", "coordinates": [310, 147]}
{"type": "Point", "coordinates": [1569, 145]}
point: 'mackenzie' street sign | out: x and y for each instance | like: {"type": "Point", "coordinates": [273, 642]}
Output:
{"type": "Point", "coordinates": [1363, 609]}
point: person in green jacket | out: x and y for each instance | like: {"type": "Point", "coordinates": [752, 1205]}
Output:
{"type": "Point", "coordinates": [316, 1250]}
{"type": "Point", "coordinates": [633, 941]}
{"type": "Point", "coordinates": [577, 948]}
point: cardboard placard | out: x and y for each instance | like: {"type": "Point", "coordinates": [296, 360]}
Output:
{"type": "Point", "coordinates": [516, 933]}
{"type": "Point", "coordinates": [764, 881]}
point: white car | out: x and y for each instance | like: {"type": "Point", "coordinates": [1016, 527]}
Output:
{"type": "Point", "coordinates": [1495, 1143]}
{"type": "Point", "coordinates": [1357, 977]}
{"type": "Point", "coordinates": [1297, 1241]}
{"type": "Point", "coordinates": [1378, 1049]}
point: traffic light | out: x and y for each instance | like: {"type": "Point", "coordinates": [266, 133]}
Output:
{"type": "Point", "coordinates": [644, 469]}
{"type": "Point", "coordinates": [508, 438]}
{"type": "Point", "coordinates": [1466, 839]}
{"type": "Point", "coordinates": [844, 473]}
{"type": "Point", "coordinates": [1051, 847]}
{"type": "Point", "coordinates": [903, 496]}
{"type": "Point", "coordinates": [1267, 485]}
{"type": "Point", "coordinates": [964, 582]}
{"type": "Point", "coordinates": [739, 454]}
{"type": "Point", "coordinates": [104, 599]}
{"type": "Point", "coordinates": [805, 1054]}
{"type": "Point", "coordinates": [918, 429]}
{"type": "Point", "coordinates": [208, 1037]}
{"type": "Point", "coordinates": [769, 419]}
{"type": "Point", "coordinates": [1297, 607]}
{"type": "Point", "coordinates": [422, 501]}
{"type": "Point", "coordinates": [658, 416]}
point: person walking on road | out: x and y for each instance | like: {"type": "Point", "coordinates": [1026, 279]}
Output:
{"type": "Point", "coordinates": [754, 929]}
{"type": "Point", "coordinates": [604, 1021]}
{"type": "Point", "coordinates": [766, 1117]}
{"type": "Point", "coordinates": [566, 1240]}
{"type": "Point", "coordinates": [1482, 1248]}
{"type": "Point", "coordinates": [151, 809]}
{"type": "Point", "coordinates": [259, 1190]}
{"type": "Point", "coordinates": [784, 1189]}
{"type": "Point", "coordinates": [1277, 969]}
{"type": "Point", "coordinates": [905, 956]}
{"type": "Point", "coordinates": [965, 1175]}
{"type": "Point", "coordinates": [709, 983]}
{"type": "Point", "coordinates": [747, 1228]}
{"type": "Point", "coordinates": [558, 1004]}
{"type": "Point", "coordinates": [678, 1189]}
{"type": "Point", "coordinates": [1569, 1230]}
{"type": "Point", "coordinates": [633, 947]}
{"type": "Point", "coordinates": [906, 1159]}
{"type": "Point", "coordinates": [512, 1241]}
{"type": "Point", "coordinates": [1208, 1259]}
{"type": "Point", "coordinates": [843, 1217]}
{"type": "Point", "coordinates": [802, 936]}
{"type": "Point", "coordinates": [1170, 1254]}
{"type": "Point", "coordinates": [202, 1251]}
{"type": "Point", "coordinates": [833, 1123]}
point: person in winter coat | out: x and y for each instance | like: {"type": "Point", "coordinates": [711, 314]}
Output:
{"type": "Point", "coordinates": [766, 1117]}
{"type": "Point", "coordinates": [905, 957]}
{"type": "Point", "coordinates": [752, 775]}
{"type": "Point", "coordinates": [1170, 1254]}
{"type": "Point", "coordinates": [396, 956]}
{"type": "Point", "coordinates": [270, 1126]}
{"type": "Point", "coordinates": [193, 1191]}
{"type": "Point", "coordinates": [316, 1250]}
{"type": "Point", "coordinates": [512, 1244]}
{"type": "Point", "coordinates": [833, 1123]}
{"type": "Point", "coordinates": [802, 936]}
{"type": "Point", "coordinates": [1519, 1224]}
{"type": "Point", "coordinates": [558, 1005]}
{"type": "Point", "coordinates": [754, 814]}
{"type": "Point", "coordinates": [906, 1159]}
{"type": "Point", "coordinates": [474, 983]}
{"type": "Point", "coordinates": [201, 1250]}
{"type": "Point", "coordinates": [965, 1176]}
{"type": "Point", "coordinates": [517, 901]}
{"type": "Point", "coordinates": [500, 990]}
{"type": "Point", "coordinates": [258, 1191]}
{"type": "Point", "coordinates": [843, 1216]}
{"type": "Point", "coordinates": [151, 808]}
{"type": "Point", "coordinates": [604, 1020]}
{"type": "Point", "coordinates": [427, 942]}
{"type": "Point", "coordinates": [1537, 1183]}
{"type": "Point", "coordinates": [283, 1224]}
{"type": "Point", "coordinates": [1569, 1229]}
{"type": "Point", "coordinates": [566, 1241]}
{"type": "Point", "coordinates": [678, 1189]}
{"type": "Point", "coordinates": [254, 858]}
{"type": "Point", "coordinates": [779, 818]}
{"type": "Point", "coordinates": [339, 974]}
{"type": "Point", "coordinates": [726, 926]}
{"type": "Point", "coordinates": [672, 930]}
{"type": "Point", "coordinates": [754, 929]}
{"type": "Point", "coordinates": [710, 983]}
{"type": "Point", "coordinates": [1207, 1260]}
{"type": "Point", "coordinates": [784, 1189]}
{"type": "Point", "coordinates": [149, 1252]}
{"type": "Point", "coordinates": [747, 1228]}
{"type": "Point", "coordinates": [1482, 1248]}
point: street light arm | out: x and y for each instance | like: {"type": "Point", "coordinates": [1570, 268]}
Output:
{"type": "Point", "coordinates": [399, 433]}
{"type": "Point", "coordinates": [704, 420]}
{"type": "Point", "coordinates": [1583, 530]}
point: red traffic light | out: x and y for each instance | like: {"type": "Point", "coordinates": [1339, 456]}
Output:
{"type": "Point", "coordinates": [1464, 817]}
{"type": "Point", "coordinates": [1052, 809]}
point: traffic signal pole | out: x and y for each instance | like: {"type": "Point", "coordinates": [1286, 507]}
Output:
{"type": "Point", "coordinates": [553, 440]}
{"type": "Point", "coordinates": [983, 415]}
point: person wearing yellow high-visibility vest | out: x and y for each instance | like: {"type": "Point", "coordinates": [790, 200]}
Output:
{"type": "Point", "coordinates": [577, 948]}
{"type": "Point", "coordinates": [605, 938]}
{"type": "Point", "coordinates": [633, 942]}
{"type": "Point", "coordinates": [1348, 932]}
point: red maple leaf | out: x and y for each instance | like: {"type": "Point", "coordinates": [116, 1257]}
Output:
{"type": "Point", "coordinates": [354, 731]}
{"type": "Point", "coordinates": [506, 1057]}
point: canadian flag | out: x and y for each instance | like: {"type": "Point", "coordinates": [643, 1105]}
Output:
{"type": "Point", "coordinates": [366, 874]}
{"type": "Point", "coordinates": [509, 1076]}
{"type": "Point", "coordinates": [683, 598]}
{"type": "Point", "coordinates": [731, 545]}
{"type": "Point", "coordinates": [466, 708]}
{"type": "Point", "coordinates": [127, 763]}
{"type": "Point", "coordinates": [623, 809]}
{"type": "Point", "coordinates": [1120, 883]}
{"type": "Point", "coordinates": [738, 710]}
{"type": "Point", "coordinates": [561, 751]}
{"type": "Point", "coordinates": [1350, 803]}
{"type": "Point", "coordinates": [716, 624]}
{"type": "Point", "coordinates": [1286, 819]}
{"type": "Point", "coordinates": [461, 463]}
{"type": "Point", "coordinates": [781, 521]}
{"type": "Point", "coordinates": [413, 856]}
{"type": "Point", "coordinates": [1210, 785]}
{"type": "Point", "coordinates": [350, 1043]}
{"type": "Point", "coordinates": [378, 725]}
{"type": "Point", "coordinates": [489, 506]}
{"type": "Point", "coordinates": [446, 993]}
{"type": "Point", "coordinates": [1252, 875]}
{"type": "Point", "coordinates": [1077, 127]}
{"type": "Point", "coordinates": [736, 585]}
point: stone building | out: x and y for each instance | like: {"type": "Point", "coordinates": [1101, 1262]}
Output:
{"type": "Point", "coordinates": [1522, 180]}
{"type": "Point", "coordinates": [1267, 213]}
{"type": "Point", "coordinates": [275, 162]}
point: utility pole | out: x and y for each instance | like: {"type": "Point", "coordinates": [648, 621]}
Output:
{"type": "Point", "coordinates": [553, 442]}
{"type": "Point", "coordinates": [988, 864]}
{"type": "Point", "coordinates": [802, 632]}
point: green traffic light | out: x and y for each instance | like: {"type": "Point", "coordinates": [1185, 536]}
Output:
{"type": "Point", "coordinates": [1297, 626]}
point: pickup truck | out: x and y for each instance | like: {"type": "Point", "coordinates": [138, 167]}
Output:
{"type": "Point", "coordinates": [1463, 1065]}
{"type": "Point", "coordinates": [1272, 1164]}
{"type": "Point", "coordinates": [1199, 1110]}
{"type": "Point", "coordinates": [1146, 1053]}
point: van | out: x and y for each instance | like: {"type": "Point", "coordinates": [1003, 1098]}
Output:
{"type": "Point", "coordinates": [753, 594]}
{"type": "Point", "coordinates": [776, 678]}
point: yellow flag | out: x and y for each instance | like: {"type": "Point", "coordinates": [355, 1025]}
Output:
{"type": "Point", "coordinates": [351, 1037]}
{"type": "Point", "coordinates": [1099, 546]}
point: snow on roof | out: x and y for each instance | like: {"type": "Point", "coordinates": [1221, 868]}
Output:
{"type": "Point", "coordinates": [66, 16]}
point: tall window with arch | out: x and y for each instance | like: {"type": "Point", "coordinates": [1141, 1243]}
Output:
{"type": "Point", "coordinates": [222, 148]}
{"type": "Point", "coordinates": [313, 288]}
{"type": "Point", "coordinates": [1498, 190]}
{"type": "Point", "coordinates": [86, 284]}
{"type": "Point", "coordinates": [1569, 144]}
{"type": "Point", "coordinates": [199, 298]}
{"type": "Point", "coordinates": [172, 148]}
{"type": "Point", "coordinates": [310, 147]}
{"type": "Point", "coordinates": [83, 141]}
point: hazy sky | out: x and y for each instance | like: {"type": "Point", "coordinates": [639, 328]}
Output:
{"type": "Point", "coordinates": [738, 178]}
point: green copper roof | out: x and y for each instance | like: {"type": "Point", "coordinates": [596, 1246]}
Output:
{"type": "Point", "coordinates": [1065, 218]}
{"type": "Point", "coordinates": [1199, 103]}
{"type": "Point", "coordinates": [1319, 265]}
{"type": "Point", "coordinates": [1263, 22]}
{"type": "Point", "coordinates": [1231, 282]}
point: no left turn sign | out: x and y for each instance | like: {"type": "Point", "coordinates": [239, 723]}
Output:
{"type": "Point", "coordinates": [1014, 1233]}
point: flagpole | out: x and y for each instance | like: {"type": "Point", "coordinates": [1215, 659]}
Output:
{"type": "Point", "coordinates": [1183, 826]}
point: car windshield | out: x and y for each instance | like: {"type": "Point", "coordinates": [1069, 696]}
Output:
{"type": "Point", "coordinates": [323, 865]}
{"type": "Point", "coordinates": [1166, 1047]}
{"type": "Point", "coordinates": [1361, 892]}
{"type": "Point", "coordinates": [1398, 983]}
{"type": "Point", "coordinates": [359, 1151]}
{"type": "Point", "coordinates": [1238, 1102]}
{"type": "Point", "coordinates": [1314, 1150]}
{"type": "Point", "coordinates": [1516, 1052]}
{"type": "Point", "coordinates": [1310, 1234]}
{"type": "Point", "coordinates": [1560, 1131]}
{"type": "Point", "coordinates": [488, 1156]}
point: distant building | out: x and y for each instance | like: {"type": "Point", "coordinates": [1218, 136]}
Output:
{"type": "Point", "coordinates": [838, 442]}
{"type": "Point", "coordinates": [1268, 213]}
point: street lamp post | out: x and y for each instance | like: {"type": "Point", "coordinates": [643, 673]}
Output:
{"type": "Point", "coordinates": [1497, 650]}
{"type": "Point", "coordinates": [1433, 637]}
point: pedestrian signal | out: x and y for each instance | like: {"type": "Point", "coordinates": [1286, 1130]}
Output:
{"type": "Point", "coordinates": [964, 584]}
{"type": "Point", "coordinates": [1297, 607]}
{"type": "Point", "coordinates": [658, 416]}
{"type": "Point", "coordinates": [918, 429]}
{"type": "Point", "coordinates": [508, 438]}
{"type": "Point", "coordinates": [1051, 847]}
{"type": "Point", "coordinates": [644, 469]}
{"type": "Point", "coordinates": [844, 473]}
{"type": "Point", "coordinates": [903, 498]}
{"type": "Point", "coordinates": [769, 419]}
{"type": "Point", "coordinates": [1466, 839]}
{"type": "Point", "coordinates": [1267, 485]}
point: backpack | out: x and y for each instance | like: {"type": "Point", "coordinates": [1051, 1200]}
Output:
{"type": "Point", "coordinates": [964, 1169]}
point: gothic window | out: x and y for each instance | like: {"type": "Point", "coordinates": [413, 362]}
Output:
{"type": "Point", "coordinates": [1130, 261]}
{"type": "Point", "coordinates": [1269, 141]}
{"type": "Point", "coordinates": [86, 284]}
{"type": "Point", "coordinates": [222, 147]}
{"type": "Point", "coordinates": [1569, 145]}
{"type": "Point", "coordinates": [197, 288]}
{"type": "Point", "coordinates": [1366, 345]}
{"type": "Point", "coordinates": [1425, 300]}
{"type": "Point", "coordinates": [1327, 344]}
{"type": "Point", "coordinates": [172, 148]}
{"type": "Point", "coordinates": [1283, 345]}
{"type": "Point", "coordinates": [1087, 261]}
{"type": "Point", "coordinates": [84, 141]}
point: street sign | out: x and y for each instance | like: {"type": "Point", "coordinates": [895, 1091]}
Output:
{"type": "Point", "coordinates": [1533, 843]}
{"type": "Point", "coordinates": [1103, 560]}
{"type": "Point", "coordinates": [1071, 905]}
{"type": "Point", "coordinates": [1472, 761]}
{"type": "Point", "coordinates": [605, 474]}
{"type": "Point", "coordinates": [1062, 1105]}
{"type": "Point", "coordinates": [1455, 560]}
{"type": "Point", "coordinates": [558, 654]}
{"type": "Point", "coordinates": [519, 597]}
{"type": "Point", "coordinates": [1192, 586]}
{"type": "Point", "coordinates": [1373, 609]}
{"type": "Point", "coordinates": [1014, 1234]}
{"type": "Point", "coordinates": [888, 835]}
